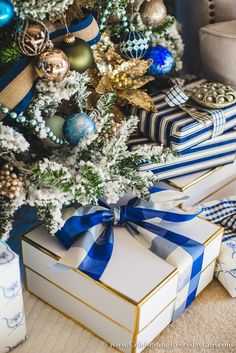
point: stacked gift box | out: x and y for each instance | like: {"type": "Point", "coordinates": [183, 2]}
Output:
{"type": "Point", "coordinates": [200, 144]}
{"type": "Point", "coordinates": [205, 167]}
{"type": "Point", "coordinates": [166, 262]}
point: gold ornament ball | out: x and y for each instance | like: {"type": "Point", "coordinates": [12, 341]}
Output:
{"type": "Point", "coordinates": [79, 53]}
{"type": "Point", "coordinates": [32, 37]}
{"type": "Point", "coordinates": [52, 65]}
{"type": "Point", "coordinates": [153, 13]}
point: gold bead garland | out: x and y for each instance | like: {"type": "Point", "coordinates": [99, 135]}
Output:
{"type": "Point", "coordinates": [11, 185]}
{"type": "Point", "coordinates": [112, 131]}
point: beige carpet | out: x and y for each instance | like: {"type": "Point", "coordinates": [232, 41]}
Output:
{"type": "Point", "coordinates": [210, 320]}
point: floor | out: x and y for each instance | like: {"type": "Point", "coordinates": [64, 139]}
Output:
{"type": "Point", "coordinates": [209, 321]}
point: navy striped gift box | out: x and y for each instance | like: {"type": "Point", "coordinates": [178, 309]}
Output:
{"type": "Point", "coordinates": [175, 128]}
{"type": "Point", "coordinates": [208, 154]}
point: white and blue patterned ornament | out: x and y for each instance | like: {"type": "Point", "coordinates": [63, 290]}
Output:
{"type": "Point", "coordinates": [163, 61]}
{"type": "Point", "coordinates": [133, 45]}
{"type": "Point", "coordinates": [77, 126]}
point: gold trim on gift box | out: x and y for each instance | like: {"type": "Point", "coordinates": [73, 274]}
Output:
{"type": "Point", "coordinates": [214, 192]}
{"type": "Point", "coordinates": [136, 331]}
{"type": "Point", "coordinates": [220, 231]}
{"type": "Point", "coordinates": [77, 322]}
{"type": "Point", "coordinates": [114, 292]}
{"type": "Point", "coordinates": [105, 286]}
{"type": "Point", "coordinates": [80, 300]}
{"type": "Point", "coordinates": [100, 284]}
{"type": "Point", "coordinates": [193, 182]}
{"type": "Point", "coordinates": [137, 316]}
{"type": "Point", "coordinates": [197, 180]}
{"type": "Point", "coordinates": [155, 290]}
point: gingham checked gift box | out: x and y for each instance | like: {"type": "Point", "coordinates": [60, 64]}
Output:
{"type": "Point", "coordinates": [12, 319]}
{"type": "Point", "coordinates": [223, 212]}
{"type": "Point", "coordinates": [124, 272]}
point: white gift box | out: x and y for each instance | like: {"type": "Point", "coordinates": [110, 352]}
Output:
{"type": "Point", "coordinates": [227, 190]}
{"type": "Point", "coordinates": [135, 297]}
{"type": "Point", "coordinates": [12, 319]}
{"type": "Point", "coordinates": [200, 185]}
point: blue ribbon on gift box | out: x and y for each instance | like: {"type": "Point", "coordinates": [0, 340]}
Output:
{"type": "Point", "coordinates": [88, 234]}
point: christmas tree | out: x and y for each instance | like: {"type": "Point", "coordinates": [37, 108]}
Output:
{"type": "Point", "coordinates": [70, 70]}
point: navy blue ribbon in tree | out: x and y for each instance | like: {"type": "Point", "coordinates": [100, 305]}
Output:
{"type": "Point", "coordinates": [18, 84]}
{"type": "Point", "coordinates": [88, 234]}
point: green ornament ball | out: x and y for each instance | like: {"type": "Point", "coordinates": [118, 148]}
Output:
{"type": "Point", "coordinates": [79, 53]}
{"type": "Point", "coordinates": [56, 123]}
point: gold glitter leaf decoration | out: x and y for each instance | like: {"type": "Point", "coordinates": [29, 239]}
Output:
{"type": "Point", "coordinates": [139, 99]}
{"type": "Point", "coordinates": [136, 67]}
{"type": "Point", "coordinates": [125, 77]}
{"type": "Point", "coordinates": [104, 85]}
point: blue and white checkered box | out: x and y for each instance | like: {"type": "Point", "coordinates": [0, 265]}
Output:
{"type": "Point", "coordinates": [175, 128]}
{"type": "Point", "coordinates": [12, 318]}
{"type": "Point", "coordinates": [220, 207]}
{"type": "Point", "coordinates": [209, 154]}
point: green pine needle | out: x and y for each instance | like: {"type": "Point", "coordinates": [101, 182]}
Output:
{"type": "Point", "coordinates": [10, 54]}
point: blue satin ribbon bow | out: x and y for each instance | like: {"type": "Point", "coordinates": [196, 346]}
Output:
{"type": "Point", "coordinates": [89, 233]}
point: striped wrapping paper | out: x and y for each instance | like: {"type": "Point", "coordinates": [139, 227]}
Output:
{"type": "Point", "coordinates": [208, 154]}
{"type": "Point", "coordinates": [173, 127]}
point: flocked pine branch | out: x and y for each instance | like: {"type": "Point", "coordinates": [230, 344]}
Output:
{"type": "Point", "coordinates": [40, 9]}
{"type": "Point", "coordinates": [7, 211]}
{"type": "Point", "coordinates": [11, 140]}
{"type": "Point", "coordinates": [82, 92]}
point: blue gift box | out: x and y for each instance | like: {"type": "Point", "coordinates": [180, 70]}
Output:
{"type": "Point", "coordinates": [208, 154]}
{"type": "Point", "coordinates": [174, 128]}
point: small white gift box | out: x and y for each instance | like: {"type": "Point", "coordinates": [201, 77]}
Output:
{"type": "Point", "coordinates": [200, 185]}
{"type": "Point", "coordinates": [12, 320]}
{"type": "Point", "coordinates": [136, 295]}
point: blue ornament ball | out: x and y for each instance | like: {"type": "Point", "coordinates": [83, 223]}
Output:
{"type": "Point", "coordinates": [163, 61]}
{"type": "Point", "coordinates": [133, 45]}
{"type": "Point", "coordinates": [6, 12]}
{"type": "Point", "coordinates": [77, 126]}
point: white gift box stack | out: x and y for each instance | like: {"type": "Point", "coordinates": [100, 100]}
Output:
{"type": "Point", "coordinates": [136, 295]}
{"type": "Point", "coordinates": [199, 186]}
{"type": "Point", "coordinates": [12, 320]}
{"type": "Point", "coordinates": [204, 187]}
